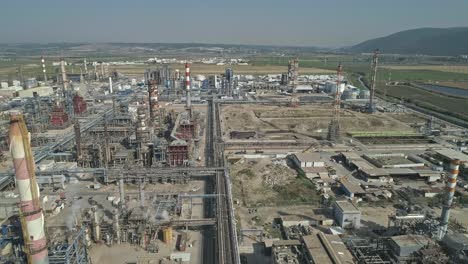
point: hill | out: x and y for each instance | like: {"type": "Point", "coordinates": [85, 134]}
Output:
{"type": "Point", "coordinates": [427, 41]}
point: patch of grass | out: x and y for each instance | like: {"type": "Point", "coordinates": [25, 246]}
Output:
{"type": "Point", "coordinates": [299, 191]}
{"type": "Point", "coordinates": [247, 172]}
{"type": "Point", "coordinates": [272, 232]}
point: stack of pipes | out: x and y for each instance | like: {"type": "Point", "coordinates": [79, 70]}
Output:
{"type": "Point", "coordinates": [32, 218]}
{"type": "Point", "coordinates": [451, 183]}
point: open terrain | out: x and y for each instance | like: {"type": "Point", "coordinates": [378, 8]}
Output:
{"type": "Point", "coordinates": [274, 122]}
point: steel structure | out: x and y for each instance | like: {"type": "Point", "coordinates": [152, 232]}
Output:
{"type": "Point", "coordinates": [293, 74]}
{"type": "Point", "coordinates": [375, 60]}
{"type": "Point", "coordinates": [75, 253]}
{"type": "Point", "coordinates": [32, 218]}
{"type": "Point", "coordinates": [334, 127]}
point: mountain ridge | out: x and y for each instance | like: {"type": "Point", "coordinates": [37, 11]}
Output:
{"type": "Point", "coordinates": [425, 41]}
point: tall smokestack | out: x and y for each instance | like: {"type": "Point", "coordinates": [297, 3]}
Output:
{"type": "Point", "coordinates": [32, 219]}
{"type": "Point", "coordinates": [85, 66]}
{"type": "Point", "coordinates": [64, 74]}
{"type": "Point", "coordinates": [187, 85]}
{"type": "Point", "coordinates": [110, 85]}
{"type": "Point", "coordinates": [44, 68]}
{"type": "Point", "coordinates": [122, 191]}
{"type": "Point", "coordinates": [451, 183]}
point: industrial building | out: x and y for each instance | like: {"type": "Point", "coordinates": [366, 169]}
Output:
{"type": "Point", "coordinates": [347, 215]}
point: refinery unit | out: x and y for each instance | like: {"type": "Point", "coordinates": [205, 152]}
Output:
{"type": "Point", "coordinates": [166, 167]}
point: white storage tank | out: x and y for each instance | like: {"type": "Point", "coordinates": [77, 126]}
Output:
{"type": "Point", "coordinates": [333, 88]}
{"type": "Point", "coordinates": [364, 94]}
{"type": "Point", "coordinates": [200, 78]}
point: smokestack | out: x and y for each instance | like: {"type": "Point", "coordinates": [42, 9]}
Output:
{"type": "Point", "coordinates": [187, 85]}
{"type": "Point", "coordinates": [451, 183]}
{"type": "Point", "coordinates": [97, 227]}
{"type": "Point", "coordinates": [85, 66]}
{"type": "Point", "coordinates": [110, 85]}
{"type": "Point", "coordinates": [64, 74]}
{"type": "Point", "coordinates": [117, 226]}
{"type": "Point", "coordinates": [44, 69]}
{"type": "Point", "coordinates": [142, 194]}
{"type": "Point", "coordinates": [32, 219]}
{"type": "Point", "coordinates": [102, 69]}
{"type": "Point", "coordinates": [122, 191]}
{"type": "Point", "coordinates": [177, 74]}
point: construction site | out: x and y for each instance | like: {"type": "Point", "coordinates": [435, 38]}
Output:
{"type": "Point", "coordinates": [99, 167]}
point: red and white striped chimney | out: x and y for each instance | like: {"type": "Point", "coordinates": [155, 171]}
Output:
{"type": "Point", "coordinates": [187, 84]}
{"type": "Point", "coordinates": [44, 68]}
{"type": "Point", "coordinates": [30, 205]}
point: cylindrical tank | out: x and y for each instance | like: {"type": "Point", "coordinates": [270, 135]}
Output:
{"type": "Point", "coordinates": [87, 237]}
{"type": "Point", "coordinates": [167, 234]}
{"type": "Point", "coordinates": [346, 94]}
{"type": "Point", "coordinates": [333, 88]}
{"type": "Point", "coordinates": [200, 78]}
{"type": "Point", "coordinates": [364, 94]}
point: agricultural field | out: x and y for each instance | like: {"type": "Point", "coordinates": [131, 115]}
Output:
{"type": "Point", "coordinates": [449, 105]}
{"type": "Point", "coordinates": [442, 68]}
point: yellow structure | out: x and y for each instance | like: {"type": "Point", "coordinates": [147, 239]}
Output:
{"type": "Point", "coordinates": [167, 235]}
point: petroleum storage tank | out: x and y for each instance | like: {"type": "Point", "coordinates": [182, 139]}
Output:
{"type": "Point", "coordinates": [354, 93]}
{"type": "Point", "coordinates": [200, 78]}
{"type": "Point", "coordinates": [167, 235]}
{"type": "Point", "coordinates": [364, 94]}
{"type": "Point", "coordinates": [342, 88]}
{"type": "Point", "coordinates": [347, 94]}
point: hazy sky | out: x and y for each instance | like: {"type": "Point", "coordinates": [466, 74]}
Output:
{"type": "Point", "coordinates": [280, 22]}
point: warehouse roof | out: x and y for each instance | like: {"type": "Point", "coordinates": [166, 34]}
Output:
{"type": "Point", "coordinates": [327, 249]}
{"type": "Point", "coordinates": [347, 206]}
{"type": "Point", "coordinates": [352, 187]}
{"type": "Point", "coordinates": [452, 154]}
{"type": "Point", "coordinates": [308, 157]}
